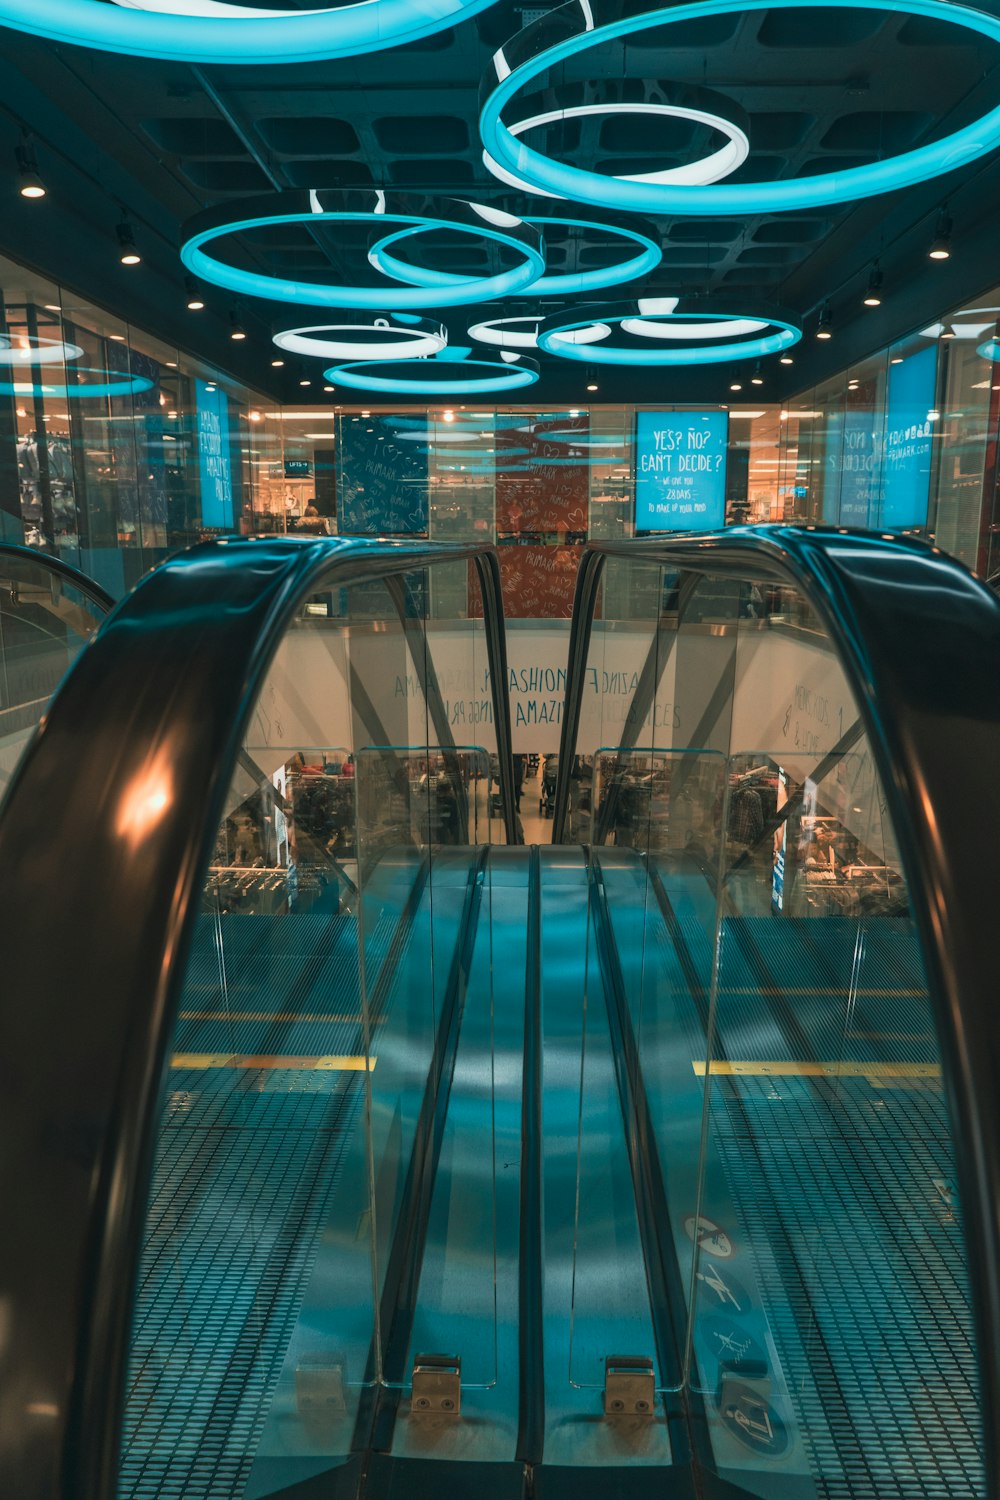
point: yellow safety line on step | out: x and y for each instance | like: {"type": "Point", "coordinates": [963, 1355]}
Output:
{"type": "Point", "coordinates": [329, 1063]}
{"type": "Point", "coordinates": [782, 1068]}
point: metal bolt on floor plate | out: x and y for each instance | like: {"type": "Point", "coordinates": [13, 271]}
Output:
{"type": "Point", "coordinates": [319, 1390]}
{"type": "Point", "coordinates": [437, 1385]}
{"type": "Point", "coordinates": [629, 1386]}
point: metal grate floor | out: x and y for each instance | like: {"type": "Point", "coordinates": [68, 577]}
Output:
{"type": "Point", "coordinates": [844, 1189]}
{"type": "Point", "coordinates": [245, 1176]}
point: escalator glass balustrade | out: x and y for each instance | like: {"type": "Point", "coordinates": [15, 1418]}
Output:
{"type": "Point", "coordinates": [652, 1163]}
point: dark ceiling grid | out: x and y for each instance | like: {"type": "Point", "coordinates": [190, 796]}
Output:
{"type": "Point", "coordinates": [406, 119]}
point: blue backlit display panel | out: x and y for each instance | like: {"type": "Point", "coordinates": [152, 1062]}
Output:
{"type": "Point", "coordinates": [215, 456]}
{"type": "Point", "coordinates": [909, 439]}
{"type": "Point", "coordinates": [680, 470]}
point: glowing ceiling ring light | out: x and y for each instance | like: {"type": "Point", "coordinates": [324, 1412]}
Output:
{"type": "Point", "coordinates": [31, 349]}
{"type": "Point", "coordinates": [557, 333]}
{"type": "Point", "coordinates": [645, 327]}
{"type": "Point", "coordinates": [989, 350]}
{"type": "Point", "coordinates": [564, 284]}
{"type": "Point", "coordinates": [508, 333]}
{"type": "Point", "coordinates": [700, 106]}
{"type": "Point", "coordinates": [390, 380]}
{"type": "Point", "coordinates": [334, 205]}
{"type": "Point", "coordinates": [501, 333]}
{"type": "Point", "coordinates": [213, 31]}
{"type": "Point", "coordinates": [404, 337]}
{"type": "Point", "coordinates": [128, 385]}
{"type": "Point", "coordinates": [587, 23]}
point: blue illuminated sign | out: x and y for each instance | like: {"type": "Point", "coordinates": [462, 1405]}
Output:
{"type": "Point", "coordinates": [909, 437]}
{"type": "Point", "coordinates": [215, 462]}
{"type": "Point", "coordinates": [859, 462]}
{"type": "Point", "coordinates": [680, 470]}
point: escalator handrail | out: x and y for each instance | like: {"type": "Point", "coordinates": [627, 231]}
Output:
{"type": "Point", "coordinates": [918, 639]}
{"type": "Point", "coordinates": [165, 691]}
{"type": "Point", "coordinates": [64, 571]}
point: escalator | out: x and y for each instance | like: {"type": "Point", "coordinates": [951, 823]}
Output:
{"type": "Point", "coordinates": [356, 1149]}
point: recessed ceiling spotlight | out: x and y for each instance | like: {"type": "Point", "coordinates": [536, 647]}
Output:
{"type": "Point", "coordinates": [736, 385]}
{"type": "Point", "coordinates": [277, 364]}
{"type": "Point", "coordinates": [236, 330]}
{"type": "Point", "coordinates": [757, 378]}
{"type": "Point", "coordinates": [195, 300]}
{"type": "Point", "coordinates": [824, 329]}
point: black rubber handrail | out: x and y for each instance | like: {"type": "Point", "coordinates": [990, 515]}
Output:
{"type": "Point", "coordinates": [918, 639]}
{"type": "Point", "coordinates": [96, 928]}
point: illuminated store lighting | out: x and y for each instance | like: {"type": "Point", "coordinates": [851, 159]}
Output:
{"type": "Point", "coordinates": [700, 106]}
{"type": "Point", "coordinates": [216, 31]}
{"type": "Point", "coordinates": [195, 300]}
{"type": "Point", "coordinates": [128, 252]}
{"type": "Point", "coordinates": [465, 376]}
{"type": "Point", "coordinates": [236, 330]}
{"type": "Point", "coordinates": [940, 246]}
{"type": "Point", "coordinates": [378, 208]}
{"type": "Point", "coordinates": [108, 384]}
{"type": "Point", "coordinates": [35, 350]}
{"type": "Point", "coordinates": [873, 296]}
{"type": "Point", "coordinates": [29, 182]}
{"type": "Point", "coordinates": [406, 336]}
{"type": "Point", "coordinates": [539, 48]}
{"type": "Point", "coordinates": [670, 331]}
{"type": "Point", "coordinates": [824, 329]}
{"type": "Point", "coordinates": [562, 284]}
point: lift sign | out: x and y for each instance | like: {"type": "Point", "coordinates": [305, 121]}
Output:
{"type": "Point", "coordinates": [680, 470]}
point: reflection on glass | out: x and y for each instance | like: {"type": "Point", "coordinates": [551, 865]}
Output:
{"type": "Point", "coordinates": [319, 1219]}
{"type": "Point", "coordinates": [45, 619]}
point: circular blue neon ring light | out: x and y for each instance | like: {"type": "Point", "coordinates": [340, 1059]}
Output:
{"type": "Point", "coordinates": [551, 336]}
{"type": "Point", "coordinates": [414, 338]}
{"type": "Point", "coordinates": [568, 284]}
{"type": "Point", "coordinates": [364, 376]}
{"type": "Point", "coordinates": [129, 385]}
{"type": "Point", "coordinates": [511, 75]}
{"type": "Point", "coordinates": [36, 351]}
{"type": "Point", "coordinates": [279, 37]}
{"type": "Point", "coordinates": [337, 206]}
